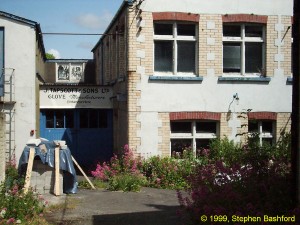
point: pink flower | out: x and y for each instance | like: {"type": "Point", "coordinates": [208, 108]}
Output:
{"type": "Point", "coordinates": [11, 220]}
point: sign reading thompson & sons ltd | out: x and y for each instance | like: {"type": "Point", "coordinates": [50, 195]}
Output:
{"type": "Point", "coordinates": [75, 97]}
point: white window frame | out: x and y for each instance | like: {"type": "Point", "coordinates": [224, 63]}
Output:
{"type": "Point", "coordinates": [174, 38]}
{"type": "Point", "coordinates": [193, 135]}
{"type": "Point", "coordinates": [243, 40]}
{"type": "Point", "coordinates": [265, 135]}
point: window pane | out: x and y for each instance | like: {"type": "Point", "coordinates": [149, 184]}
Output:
{"type": "Point", "coordinates": [59, 116]}
{"type": "Point", "coordinates": [253, 31]}
{"type": "Point", "coordinates": [186, 29]}
{"type": "Point", "coordinates": [267, 127]}
{"type": "Point", "coordinates": [84, 119]}
{"type": "Point", "coordinates": [69, 117]}
{"type": "Point", "coordinates": [181, 127]}
{"type": "Point", "coordinates": [163, 56]}
{"type": "Point", "coordinates": [253, 57]}
{"type": "Point", "coordinates": [49, 119]}
{"type": "Point", "coordinates": [252, 126]}
{"type": "Point", "coordinates": [93, 120]}
{"type": "Point", "coordinates": [178, 145]}
{"type": "Point", "coordinates": [202, 143]}
{"type": "Point", "coordinates": [186, 56]}
{"type": "Point", "coordinates": [231, 31]}
{"type": "Point", "coordinates": [206, 127]}
{"type": "Point", "coordinates": [163, 29]}
{"type": "Point", "coordinates": [102, 119]}
{"type": "Point", "coordinates": [231, 57]}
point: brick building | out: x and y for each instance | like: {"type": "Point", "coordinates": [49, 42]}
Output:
{"type": "Point", "coordinates": [184, 72]}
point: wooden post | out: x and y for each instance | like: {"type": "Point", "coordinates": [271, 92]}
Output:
{"type": "Point", "coordinates": [29, 169]}
{"type": "Point", "coordinates": [57, 174]}
{"type": "Point", "coordinates": [83, 173]}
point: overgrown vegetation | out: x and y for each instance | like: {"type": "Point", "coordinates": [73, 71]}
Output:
{"type": "Point", "coordinates": [17, 207]}
{"type": "Point", "coordinates": [224, 179]}
{"type": "Point", "coordinates": [241, 180]}
{"type": "Point", "coordinates": [128, 173]}
{"type": "Point", "coordinates": [122, 173]}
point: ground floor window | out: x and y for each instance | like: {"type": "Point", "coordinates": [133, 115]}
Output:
{"type": "Point", "coordinates": [59, 118]}
{"type": "Point", "coordinates": [265, 129]}
{"type": "Point", "coordinates": [66, 118]}
{"type": "Point", "coordinates": [192, 134]}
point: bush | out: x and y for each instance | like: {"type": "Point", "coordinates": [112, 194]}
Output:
{"type": "Point", "coordinates": [225, 150]}
{"type": "Point", "coordinates": [126, 182]}
{"type": "Point", "coordinates": [167, 172]}
{"type": "Point", "coordinates": [255, 183]}
{"type": "Point", "coordinates": [15, 205]}
{"type": "Point", "coordinates": [122, 173]}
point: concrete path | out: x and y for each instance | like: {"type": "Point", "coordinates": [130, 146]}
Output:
{"type": "Point", "coordinates": [91, 207]}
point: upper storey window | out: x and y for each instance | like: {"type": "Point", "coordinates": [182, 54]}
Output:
{"type": "Point", "coordinates": [69, 72]}
{"type": "Point", "coordinates": [175, 48]}
{"type": "Point", "coordinates": [244, 49]}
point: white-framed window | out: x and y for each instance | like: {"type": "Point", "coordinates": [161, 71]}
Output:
{"type": "Point", "coordinates": [244, 49]}
{"type": "Point", "coordinates": [265, 129]}
{"type": "Point", "coordinates": [192, 134]}
{"type": "Point", "coordinates": [175, 48]}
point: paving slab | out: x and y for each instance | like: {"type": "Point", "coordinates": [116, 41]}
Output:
{"type": "Point", "coordinates": [150, 206]}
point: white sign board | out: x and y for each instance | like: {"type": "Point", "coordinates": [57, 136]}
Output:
{"type": "Point", "coordinates": [75, 97]}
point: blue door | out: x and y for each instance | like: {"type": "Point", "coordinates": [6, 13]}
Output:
{"type": "Point", "coordinates": [87, 132]}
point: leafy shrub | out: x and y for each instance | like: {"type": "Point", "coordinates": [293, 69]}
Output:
{"type": "Point", "coordinates": [166, 172]}
{"type": "Point", "coordinates": [126, 182]}
{"type": "Point", "coordinates": [225, 150]}
{"type": "Point", "coordinates": [15, 205]}
{"type": "Point", "coordinates": [122, 173]}
{"type": "Point", "coordinates": [256, 182]}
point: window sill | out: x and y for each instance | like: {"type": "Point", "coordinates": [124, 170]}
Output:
{"type": "Point", "coordinates": [245, 79]}
{"type": "Point", "coordinates": [289, 80]}
{"type": "Point", "coordinates": [175, 78]}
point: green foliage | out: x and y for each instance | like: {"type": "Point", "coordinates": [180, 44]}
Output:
{"type": "Point", "coordinates": [250, 179]}
{"type": "Point", "coordinates": [225, 150]}
{"type": "Point", "coordinates": [169, 172]}
{"type": "Point", "coordinates": [126, 182]}
{"type": "Point", "coordinates": [96, 182]}
{"type": "Point", "coordinates": [15, 205]}
{"type": "Point", "coordinates": [122, 172]}
{"type": "Point", "coordinates": [50, 56]}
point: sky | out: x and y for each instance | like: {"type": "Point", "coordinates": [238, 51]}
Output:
{"type": "Point", "coordinates": [66, 16]}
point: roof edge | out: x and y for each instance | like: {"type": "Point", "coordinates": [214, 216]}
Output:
{"type": "Point", "coordinates": [125, 2]}
{"type": "Point", "coordinates": [32, 24]}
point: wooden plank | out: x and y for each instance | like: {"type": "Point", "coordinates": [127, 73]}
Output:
{"type": "Point", "coordinates": [57, 173]}
{"type": "Point", "coordinates": [29, 170]}
{"type": "Point", "coordinates": [83, 173]}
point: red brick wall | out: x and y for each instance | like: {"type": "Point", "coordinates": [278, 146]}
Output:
{"type": "Point", "coordinates": [244, 18]}
{"type": "Point", "coordinates": [195, 116]}
{"type": "Point", "coordinates": [262, 116]}
{"type": "Point", "coordinates": [176, 16]}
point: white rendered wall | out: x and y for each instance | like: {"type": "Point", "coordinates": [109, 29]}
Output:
{"type": "Point", "coordinates": [259, 7]}
{"type": "Point", "coordinates": [210, 94]}
{"type": "Point", "coordinates": [174, 96]}
{"type": "Point", "coordinates": [20, 55]}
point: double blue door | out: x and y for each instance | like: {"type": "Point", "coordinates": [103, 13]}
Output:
{"type": "Point", "coordinates": [87, 132]}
